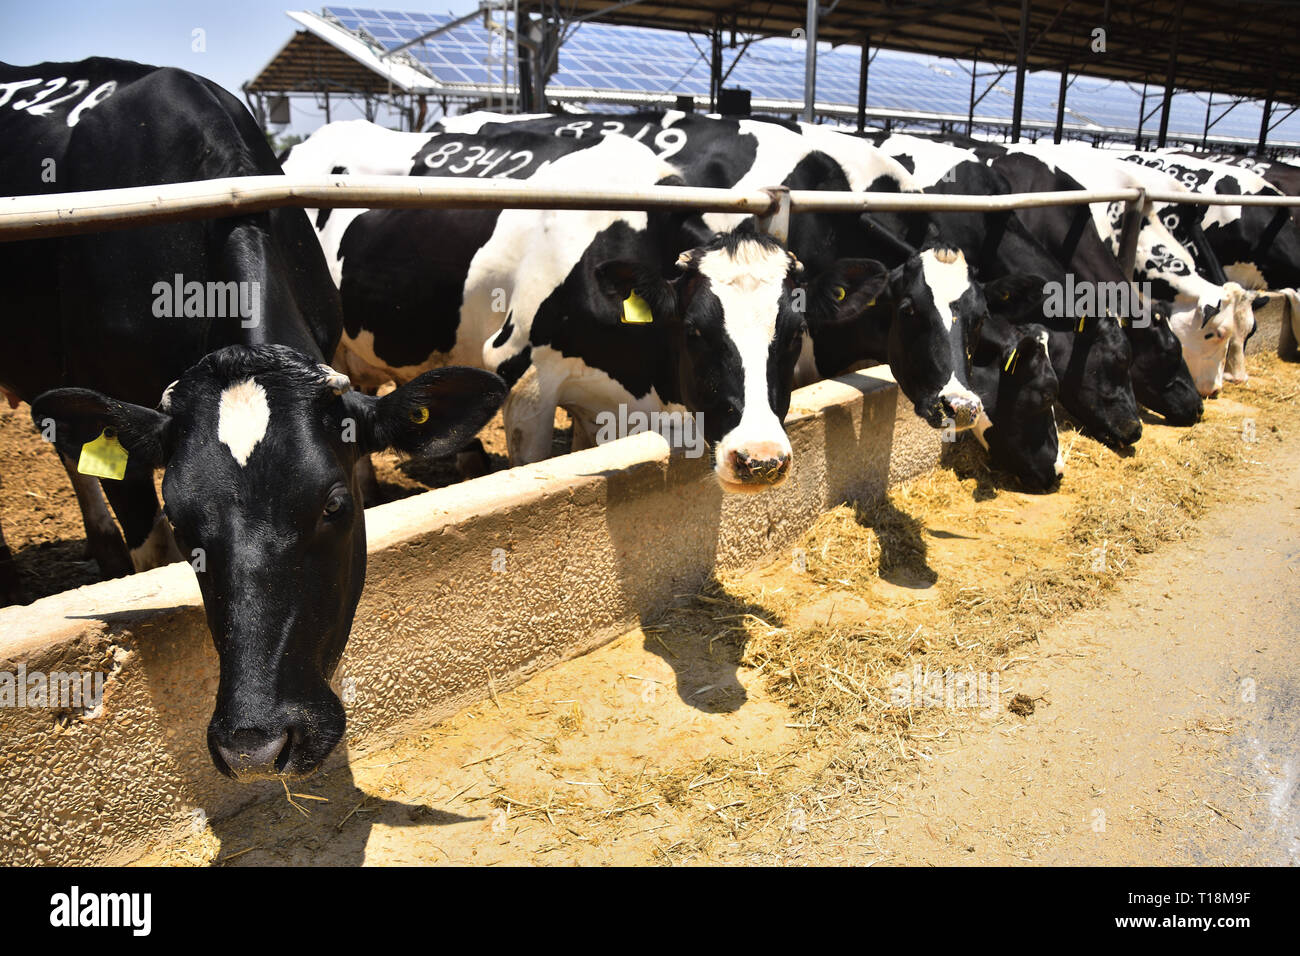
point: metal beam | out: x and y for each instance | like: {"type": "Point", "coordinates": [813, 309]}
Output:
{"type": "Point", "coordinates": [715, 68]}
{"type": "Point", "coordinates": [1060, 103]}
{"type": "Point", "coordinates": [1263, 125]}
{"type": "Point", "coordinates": [1171, 74]}
{"type": "Point", "coordinates": [1018, 107]}
{"type": "Point", "coordinates": [449, 25]}
{"type": "Point", "coordinates": [863, 69]}
{"type": "Point", "coordinates": [810, 65]}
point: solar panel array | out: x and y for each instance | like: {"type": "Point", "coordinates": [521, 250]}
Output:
{"type": "Point", "coordinates": [622, 59]}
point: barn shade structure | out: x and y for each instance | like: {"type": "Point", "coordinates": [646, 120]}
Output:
{"type": "Point", "coordinates": [1241, 48]}
{"type": "Point", "coordinates": [1123, 62]}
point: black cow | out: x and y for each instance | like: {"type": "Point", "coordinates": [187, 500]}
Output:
{"type": "Point", "coordinates": [1019, 389]}
{"type": "Point", "coordinates": [577, 309]}
{"type": "Point", "coordinates": [1161, 380]}
{"type": "Point", "coordinates": [256, 434]}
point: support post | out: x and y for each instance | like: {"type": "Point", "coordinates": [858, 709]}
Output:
{"type": "Point", "coordinates": [1142, 115]}
{"type": "Point", "coordinates": [810, 65]}
{"type": "Point", "coordinates": [1022, 43]}
{"type": "Point", "coordinates": [1060, 103]}
{"type": "Point", "coordinates": [1263, 121]}
{"type": "Point", "coordinates": [1205, 133]}
{"type": "Point", "coordinates": [863, 69]}
{"type": "Point", "coordinates": [970, 113]}
{"type": "Point", "coordinates": [715, 69]}
{"type": "Point", "coordinates": [1170, 72]}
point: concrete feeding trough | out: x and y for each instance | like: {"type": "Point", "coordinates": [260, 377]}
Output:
{"type": "Point", "coordinates": [488, 580]}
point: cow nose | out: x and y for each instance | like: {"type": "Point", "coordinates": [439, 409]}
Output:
{"type": "Point", "coordinates": [1214, 393]}
{"type": "Point", "coordinates": [1131, 432]}
{"type": "Point", "coordinates": [759, 467]}
{"type": "Point", "coordinates": [252, 752]}
{"type": "Point", "coordinates": [961, 413]}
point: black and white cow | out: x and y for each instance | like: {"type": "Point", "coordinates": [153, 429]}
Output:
{"type": "Point", "coordinates": [1258, 246]}
{"type": "Point", "coordinates": [1019, 389]}
{"type": "Point", "coordinates": [1207, 307]}
{"type": "Point", "coordinates": [1161, 380]}
{"type": "Point", "coordinates": [542, 297]}
{"type": "Point", "coordinates": [728, 153]}
{"type": "Point", "coordinates": [253, 429]}
{"type": "Point", "coordinates": [1093, 370]}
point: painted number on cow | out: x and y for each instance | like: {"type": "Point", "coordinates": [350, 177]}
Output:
{"type": "Point", "coordinates": [43, 101]}
{"type": "Point", "coordinates": [459, 161]}
{"type": "Point", "coordinates": [667, 142]}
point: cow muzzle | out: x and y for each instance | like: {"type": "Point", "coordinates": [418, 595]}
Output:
{"type": "Point", "coordinates": [287, 740]}
{"type": "Point", "coordinates": [252, 753]}
{"type": "Point", "coordinates": [756, 466]}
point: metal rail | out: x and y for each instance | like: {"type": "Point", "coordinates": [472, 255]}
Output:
{"type": "Point", "coordinates": [60, 214]}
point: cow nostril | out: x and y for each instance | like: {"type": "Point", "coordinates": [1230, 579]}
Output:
{"type": "Point", "coordinates": [251, 752]}
{"type": "Point", "coordinates": [760, 470]}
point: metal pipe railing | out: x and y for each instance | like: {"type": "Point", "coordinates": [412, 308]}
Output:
{"type": "Point", "coordinates": [59, 214]}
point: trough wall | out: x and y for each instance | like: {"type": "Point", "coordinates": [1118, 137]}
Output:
{"type": "Point", "coordinates": [470, 590]}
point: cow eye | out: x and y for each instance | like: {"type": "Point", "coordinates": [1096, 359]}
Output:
{"type": "Point", "coordinates": [334, 504]}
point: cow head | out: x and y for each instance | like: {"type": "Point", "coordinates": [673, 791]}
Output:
{"type": "Point", "coordinates": [1161, 380]}
{"type": "Point", "coordinates": [1092, 360]}
{"type": "Point", "coordinates": [937, 307]}
{"type": "Point", "coordinates": [734, 329]}
{"type": "Point", "coordinates": [1243, 327]}
{"type": "Point", "coordinates": [259, 445]}
{"type": "Point", "coordinates": [1204, 330]}
{"type": "Point", "coordinates": [1018, 384]}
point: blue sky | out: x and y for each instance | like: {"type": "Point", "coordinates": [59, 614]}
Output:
{"type": "Point", "coordinates": [240, 36]}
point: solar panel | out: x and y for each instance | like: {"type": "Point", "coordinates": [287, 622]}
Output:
{"type": "Point", "coordinates": [605, 58]}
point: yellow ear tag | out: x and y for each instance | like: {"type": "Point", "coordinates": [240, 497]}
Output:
{"type": "Point", "coordinates": [1011, 361]}
{"type": "Point", "coordinates": [1082, 319]}
{"type": "Point", "coordinates": [838, 293]}
{"type": "Point", "coordinates": [636, 311]}
{"type": "Point", "coordinates": [104, 457]}
{"type": "Point", "coordinates": [419, 415]}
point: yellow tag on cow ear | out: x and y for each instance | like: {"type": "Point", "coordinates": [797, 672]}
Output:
{"type": "Point", "coordinates": [1082, 319]}
{"type": "Point", "coordinates": [1011, 361]}
{"type": "Point", "coordinates": [838, 293]}
{"type": "Point", "coordinates": [419, 415]}
{"type": "Point", "coordinates": [636, 311]}
{"type": "Point", "coordinates": [104, 457]}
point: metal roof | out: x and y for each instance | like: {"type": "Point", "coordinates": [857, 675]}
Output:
{"type": "Point", "coordinates": [346, 50]}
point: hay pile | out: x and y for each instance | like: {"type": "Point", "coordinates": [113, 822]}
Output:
{"type": "Point", "coordinates": [978, 605]}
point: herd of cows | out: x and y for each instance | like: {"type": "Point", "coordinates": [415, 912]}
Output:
{"type": "Point", "coordinates": [989, 321]}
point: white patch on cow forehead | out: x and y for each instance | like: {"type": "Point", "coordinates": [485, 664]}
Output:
{"type": "Point", "coordinates": [748, 284]}
{"type": "Point", "coordinates": [948, 278]}
{"type": "Point", "coordinates": [750, 266]}
{"type": "Point", "coordinates": [242, 418]}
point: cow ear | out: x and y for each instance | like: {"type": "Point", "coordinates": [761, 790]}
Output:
{"type": "Point", "coordinates": [1027, 358]}
{"type": "Point", "coordinates": [846, 290]}
{"type": "Point", "coordinates": [75, 417]}
{"type": "Point", "coordinates": [436, 413]}
{"type": "Point", "coordinates": [639, 296]}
